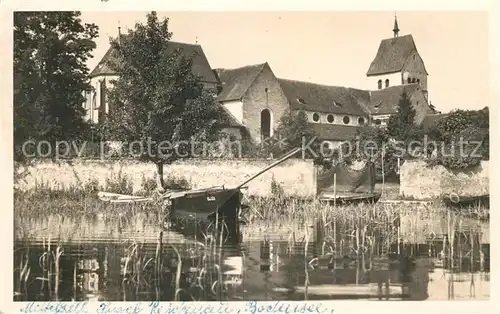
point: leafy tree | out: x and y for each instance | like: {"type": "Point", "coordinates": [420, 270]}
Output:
{"type": "Point", "coordinates": [157, 101]}
{"type": "Point", "coordinates": [50, 75]}
{"type": "Point", "coordinates": [464, 138]}
{"type": "Point", "coordinates": [401, 126]}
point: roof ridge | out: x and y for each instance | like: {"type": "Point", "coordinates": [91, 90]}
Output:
{"type": "Point", "coordinates": [391, 38]}
{"type": "Point", "coordinates": [169, 40]}
{"type": "Point", "coordinates": [312, 83]}
{"type": "Point", "coordinates": [242, 67]}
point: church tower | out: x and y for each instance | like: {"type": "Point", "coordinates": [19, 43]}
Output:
{"type": "Point", "coordinates": [397, 62]}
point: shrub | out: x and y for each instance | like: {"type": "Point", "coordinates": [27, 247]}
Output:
{"type": "Point", "coordinates": [148, 185]}
{"type": "Point", "coordinates": [464, 135]}
{"type": "Point", "coordinates": [120, 184]}
{"type": "Point", "coordinates": [174, 182]}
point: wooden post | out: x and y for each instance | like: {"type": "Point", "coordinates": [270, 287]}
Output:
{"type": "Point", "coordinates": [74, 281]}
{"type": "Point", "coordinates": [383, 171]}
{"type": "Point", "coordinates": [334, 189]}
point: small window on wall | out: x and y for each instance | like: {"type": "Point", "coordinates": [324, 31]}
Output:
{"type": "Point", "coordinates": [379, 84]}
{"type": "Point", "coordinates": [346, 120]}
{"type": "Point", "coordinates": [329, 118]}
{"type": "Point", "coordinates": [377, 122]}
{"type": "Point", "coordinates": [361, 121]}
{"type": "Point", "coordinates": [386, 83]}
{"type": "Point", "coordinates": [418, 81]}
{"type": "Point", "coordinates": [315, 117]}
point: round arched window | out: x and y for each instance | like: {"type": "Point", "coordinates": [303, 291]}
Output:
{"type": "Point", "coordinates": [361, 121]}
{"type": "Point", "coordinates": [346, 120]}
{"type": "Point", "coordinates": [329, 118]}
{"type": "Point", "coordinates": [315, 117]}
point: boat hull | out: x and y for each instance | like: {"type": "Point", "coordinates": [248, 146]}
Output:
{"type": "Point", "coordinates": [351, 199]}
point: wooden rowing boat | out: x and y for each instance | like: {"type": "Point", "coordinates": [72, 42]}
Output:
{"type": "Point", "coordinates": [350, 198]}
{"type": "Point", "coordinates": [454, 200]}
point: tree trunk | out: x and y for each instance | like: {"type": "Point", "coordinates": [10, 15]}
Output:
{"type": "Point", "coordinates": [159, 167]}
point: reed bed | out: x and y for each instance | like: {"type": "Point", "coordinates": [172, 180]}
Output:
{"type": "Point", "coordinates": [72, 214]}
{"type": "Point", "coordinates": [358, 233]}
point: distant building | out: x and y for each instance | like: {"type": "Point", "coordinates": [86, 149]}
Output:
{"type": "Point", "coordinates": [255, 99]}
{"type": "Point", "coordinates": [97, 103]}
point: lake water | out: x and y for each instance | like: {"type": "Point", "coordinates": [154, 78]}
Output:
{"type": "Point", "coordinates": [269, 269]}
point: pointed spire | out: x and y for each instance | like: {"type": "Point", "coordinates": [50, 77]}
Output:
{"type": "Point", "coordinates": [197, 40]}
{"type": "Point", "coordinates": [119, 33]}
{"type": "Point", "coordinates": [396, 28]}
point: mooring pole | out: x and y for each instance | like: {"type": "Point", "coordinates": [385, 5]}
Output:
{"type": "Point", "coordinates": [334, 189]}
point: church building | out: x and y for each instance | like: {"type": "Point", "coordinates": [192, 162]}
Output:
{"type": "Point", "coordinates": [255, 98]}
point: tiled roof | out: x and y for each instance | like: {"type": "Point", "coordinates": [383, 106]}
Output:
{"type": "Point", "coordinates": [323, 98]}
{"type": "Point", "coordinates": [334, 132]}
{"type": "Point", "coordinates": [201, 65]}
{"type": "Point", "coordinates": [385, 101]}
{"type": "Point", "coordinates": [432, 120]}
{"type": "Point", "coordinates": [392, 55]}
{"type": "Point", "coordinates": [235, 82]}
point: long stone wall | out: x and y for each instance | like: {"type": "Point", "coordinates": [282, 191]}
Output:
{"type": "Point", "coordinates": [422, 182]}
{"type": "Point", "coordinates": [296, 176]}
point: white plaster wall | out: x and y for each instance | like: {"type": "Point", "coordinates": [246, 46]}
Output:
{"type": "Point", "coordinates": [235, 108]}
{"type": "Point", "coordinates": [337, 118]}
{"type": "Point", "coordinates": [296, 176]}
{"type": "Point", "coordinates": [422, 182]}
{"type": "Point", "coordinates": [384, 118]}
{"type": "Point", "coordinates": [372, 81]}
{"type": "Point", "coordinates": [95, 96]}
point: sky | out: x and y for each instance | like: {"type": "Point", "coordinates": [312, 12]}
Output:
{"type": "Point", "coordinates": [331, 47]}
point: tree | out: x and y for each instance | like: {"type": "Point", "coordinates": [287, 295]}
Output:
{"type": "Point", "coordinates": [293, 131]}
{"type": "Point", "coordinates": [401, 126]}
{"type": "Point", "coordinates": [50, 75]}
{"type": "Point", "coordinates": [157, 101]}
{"type": "Point", "coordinates": [464, 138]}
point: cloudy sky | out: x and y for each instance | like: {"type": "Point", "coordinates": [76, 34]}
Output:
{"type": "Point", "coordinates": [332, 48]}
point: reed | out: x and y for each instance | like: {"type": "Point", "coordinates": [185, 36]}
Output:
{"type": "Point", "coordinates": [358, 232]}
{"type": "Point", "coordinates": [73, 214]}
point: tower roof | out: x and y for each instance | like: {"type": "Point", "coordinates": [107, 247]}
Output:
{"type": "Point", "coordinates": [392, 55]}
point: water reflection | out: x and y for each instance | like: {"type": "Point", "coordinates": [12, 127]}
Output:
{"type": "Point", "coordinates": [251, 270]}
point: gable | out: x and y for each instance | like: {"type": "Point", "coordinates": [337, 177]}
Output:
{"type": "Point", "coordinates": [323, 98]}
{"type": "Point", "coordinates": [201, 66]}
{"type": "Point", "coordinates": [385, 101]}
{"type": "Point", "coordinates": [414, 63]}
{"type": "Point", "coordinates": [392, 55]}
{"type": "Point", "coordinates": [236, 82]}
